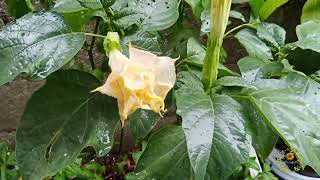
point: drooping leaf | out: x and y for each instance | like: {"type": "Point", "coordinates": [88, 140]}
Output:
{"type": "Point", "coordinates": [239, 1]}
{"type": "Point", "coordinates": [196, 109]}
{"type": "Point", "coordinates": [272, 33]}
{"type": "Point", "coordinates": [151, 15]}
{"type": "Point", "coordinates": [311, 11]}
{"type": "Point", "coordinates": [231, 143]}
{"type": "Point", "coordinates": [254, 68]}
{"type": "Point", "coordinates": [142, 122]}
{"type": "Point", "coordinates": [290, 106]}
{"type": "Point", "coordinates": [77, 13]}
{"type": "Point", "coordinates": [143, 40]}
{"type": "Point", "coordinates": [269, 6]}
{"type": "Point", "coordinates": [237, 15]}
{"type": "Point", "coordinates": [309, 35]}
{"type": "Point", "coordinates": [37, 44]}
{"type": "Point", "coordinates": [17, 8]}
{"type": "Point", "coordinates": [254, 46]}
{"type": "Point", "coordinates": [69, 118]}
{"type": "Point", "coordinates": [165, 157]}
{"type": "Point", "coordinates": [263, 137]}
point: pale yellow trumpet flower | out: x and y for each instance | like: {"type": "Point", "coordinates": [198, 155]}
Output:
{"type": "Point", "coordinates": [141, 81]}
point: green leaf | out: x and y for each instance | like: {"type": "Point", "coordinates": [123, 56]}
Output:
{"type": "Point", "coordinates": [151, 15]}
{"type": "Point", "coordinates": [309, 35]}
{"type": "Point", "coordinates": [272, 34]}
{"type": "Point", "coordinates": [196, 109]}
{"type": "Point", "coordinates": [68, 117]}
{"type": "Point", "coordinates": [291, 108]}
{"type": "Point", "coordinates": [17, 8]}
{"type": "Point", "coordinates": [311, 11]}
{"type": "Point", "coordinates": [142, 122]}
{"type": "Point", "coordinates": [269, 6]}
{"type": "Point", "coordinates": [77, 13]}
{"type": "Point", "coordinates": [231, 143]}
{"type": "Point", "coordinates": [239, 1]}
{"type": "Point", "coordinates": [143, 40]}
{"type": "Point", "coordinates": [254, 46]}
{"type": "Point", "coordinates": [195, 52]}
{"type": "Point", "coordinates": [237, 15]}
{"type": "Point", "coordinates": [256, 5]}
{"type": "Point", "coordinates": [37, 44]}
{"type": "Point", "coordinates": [254, 68]}
{"type": "Point", "coordinates": [165, 157]}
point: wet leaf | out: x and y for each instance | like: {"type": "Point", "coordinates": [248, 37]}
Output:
{"type": "Point", "coordinates": [196, 109]}
{"type": "Point", "coordinates": [37, 44]}
{"type": "Point", "coordinates": [152, 15]}
{"type": "Point", "coordinates": [309, 35]}
{"type": "Point", "coordinates": [254, 46]}
{"type": "Point", "coordinates": [68, 118]}
{"type": "Point", "coordinates": [271, 33]}
{"type": "Point", "coordinates": [290, 106]}
{"type": "Point", "coordinates": [165, 157]}
{"type": "Point", "coordinates": [254, 68]}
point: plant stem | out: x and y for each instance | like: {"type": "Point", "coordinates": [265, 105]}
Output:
{"type": "Point", "coordinates": [239, 27]}
{"type": "Point", "coordinates": [219, 18]}
{"type": "Point", "coordinates": [90, 51]}
{"type": "Point", "coordinates": [121, 140]}
{"type": "Point", "coordinates": [95, 35]}
{"type": "Point", "coordinates": [3, 172]}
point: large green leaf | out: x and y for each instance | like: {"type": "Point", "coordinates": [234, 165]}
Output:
{"type": "Point", "coordinates": [60, 120]}
{"type": "Point", "coordinates": [291, 107]}
{"type": "Point", "coordinates": [37, 44]}
{"type": "Point", "coordinates": [254, 46]}
{"type": "Point", "coordinates": [77, 13]}
{"type": "Point", "coordinates": [309, 35]}
{"type": "Point", "coordinates": [151, 15]}
{"type": "Point", "coordinates": [254, 68]}
{"type": "Point", "coordinates": [165, 157]}
{"type": "Point", "coordinates": [311, 11]}
{"type": "Point", "coordinates": [269, 6]}
{"type": "Point", "coordinates": [142, 122]}
{"type": "Point", "coordinates": [231, 143]}
{"type": "Point", "coordinates": [274, 34]}
{"type": "Point", "coordinates": [17, 8]}
{"type": "Point", "coordinates": [196, 109]}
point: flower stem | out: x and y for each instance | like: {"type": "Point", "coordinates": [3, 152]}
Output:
{"type": "Point", "coordinates": [90, 51]}
{"type": "Point", "coordinates": [219, 18]}
{"type": "Point", "coordinates": [121, 140]}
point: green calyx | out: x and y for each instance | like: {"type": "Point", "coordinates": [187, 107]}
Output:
{"type": "Point", "coordinates": [111, 42]}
